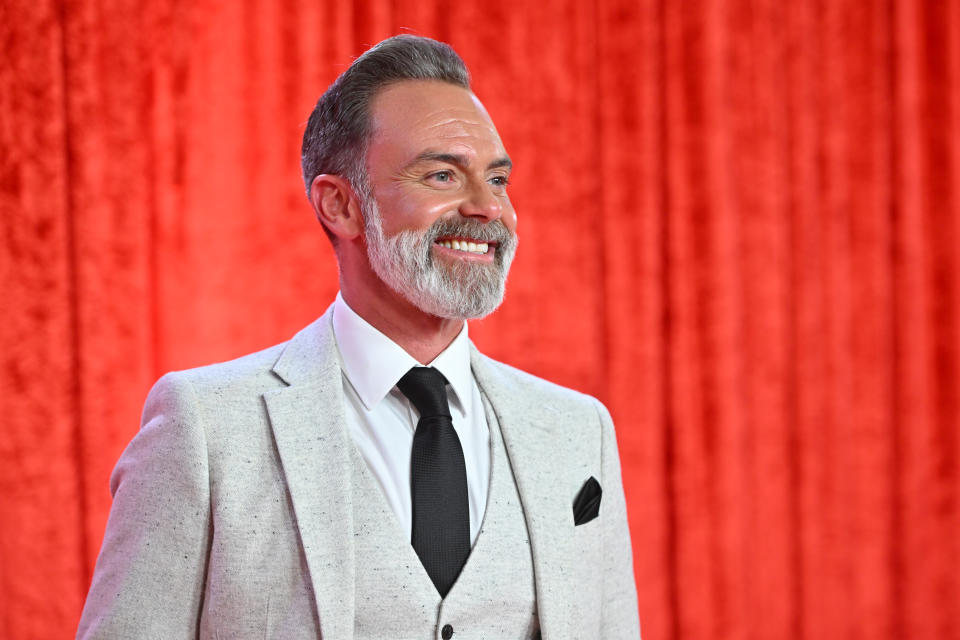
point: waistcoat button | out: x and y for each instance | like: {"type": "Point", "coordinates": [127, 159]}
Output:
{"type": "Point", "coordinates": [447, 632]}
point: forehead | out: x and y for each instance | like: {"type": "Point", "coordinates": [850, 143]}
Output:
{"type": "Point", "coordinates": [408, 116]}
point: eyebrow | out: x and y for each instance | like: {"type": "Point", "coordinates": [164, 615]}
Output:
{"type": "Point", "coordinates": [459, 160]}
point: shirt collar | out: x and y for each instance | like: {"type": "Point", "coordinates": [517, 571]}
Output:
{"type": "Point", "coordinates": [373, 363]}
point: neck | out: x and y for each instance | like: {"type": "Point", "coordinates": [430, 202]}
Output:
{"type": "Point", "coordinates": [422, 335]}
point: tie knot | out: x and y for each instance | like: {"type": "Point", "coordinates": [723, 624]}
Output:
{"type": "Point", "coordinates": [426, 388]}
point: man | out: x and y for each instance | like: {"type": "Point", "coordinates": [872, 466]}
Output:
{"type": "Point", "coordinates": [333, 486]}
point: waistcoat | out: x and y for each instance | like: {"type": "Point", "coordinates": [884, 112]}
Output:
{"type": "Point", "coordinates": [494, 595]}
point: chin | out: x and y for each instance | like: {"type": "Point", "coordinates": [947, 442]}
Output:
{"type": "Point", "coordinates": [458, 305]}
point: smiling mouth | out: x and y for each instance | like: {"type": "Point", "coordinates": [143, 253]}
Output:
{"type": "Point", "coordinates": [467, 245]}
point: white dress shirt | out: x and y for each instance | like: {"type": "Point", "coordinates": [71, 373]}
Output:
{"type": "Point", "coordinates": [381, 420]}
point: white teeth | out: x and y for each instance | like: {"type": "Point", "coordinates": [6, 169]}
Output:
{"type": "Point", "coordinates": [470, 247]}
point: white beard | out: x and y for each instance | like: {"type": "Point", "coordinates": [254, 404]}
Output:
{"type": "Point", "coordinates": [458, 291]}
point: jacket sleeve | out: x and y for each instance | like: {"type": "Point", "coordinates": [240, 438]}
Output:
{"type": "Point", "coordinates": [149, 577]}
{"type": "Point", "coordinates": [620, 616]}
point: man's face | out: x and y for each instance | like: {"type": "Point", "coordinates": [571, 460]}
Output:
{"type": "Point", "coordinates": [440, 229]}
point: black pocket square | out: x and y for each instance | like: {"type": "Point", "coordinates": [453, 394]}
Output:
{"type": "Point", "coordinates": [586, 506]}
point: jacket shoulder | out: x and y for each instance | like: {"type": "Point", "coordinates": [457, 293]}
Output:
{"type": "Point", "coordinates": [536, 389]}
{"type": "Point", "coordinates": [245, 369]}
{"type": "Point", "coordinates": [215, 387]}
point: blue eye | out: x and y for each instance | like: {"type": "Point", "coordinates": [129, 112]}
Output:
{"type": "Point", "coordinates": [442, 176]}
{"type": "Point", "coordinates": [500, 181]}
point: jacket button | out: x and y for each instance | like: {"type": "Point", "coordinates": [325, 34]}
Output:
{"type": "Point", "coordinates": [447, 632]}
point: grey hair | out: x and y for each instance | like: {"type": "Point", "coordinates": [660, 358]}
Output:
{"type": "Point", "coordinates": [335, 140]}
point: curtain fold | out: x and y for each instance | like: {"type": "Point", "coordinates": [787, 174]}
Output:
{"type": "Point", "coordinates": [739, 229]}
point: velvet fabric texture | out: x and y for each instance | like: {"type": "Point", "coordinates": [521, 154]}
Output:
{"type": "Point", "coordinates": [739, 224]}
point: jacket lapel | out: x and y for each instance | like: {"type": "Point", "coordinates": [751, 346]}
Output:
{"type": "Point", "coordinates": [539, 452]}
{"type": "Point", "coordinates": [307, 418]}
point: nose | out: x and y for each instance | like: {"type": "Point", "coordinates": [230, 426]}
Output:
{"type": "Point", "coordinates": [483, 204]}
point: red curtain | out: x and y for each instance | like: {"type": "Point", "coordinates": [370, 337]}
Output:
{"type": "Point", "coordinates": [739, 224]}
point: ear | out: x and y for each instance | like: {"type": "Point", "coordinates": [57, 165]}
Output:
{"type": "Point", "coordinates": [337, 207]}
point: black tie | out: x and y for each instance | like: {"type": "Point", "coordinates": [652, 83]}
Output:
{"type": "Point", "coordinates": [438, 481]}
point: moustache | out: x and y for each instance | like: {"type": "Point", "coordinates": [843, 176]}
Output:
{"type": "Point", "coordinates": [494, 231]}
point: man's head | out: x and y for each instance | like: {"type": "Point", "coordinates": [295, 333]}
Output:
{"type": "Point", "coordinates": [408, 176]}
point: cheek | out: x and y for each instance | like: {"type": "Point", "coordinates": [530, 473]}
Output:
{"type": "Point", "coordinates": [414, 213]}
